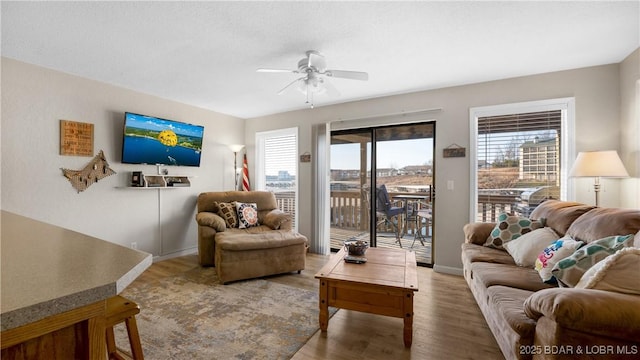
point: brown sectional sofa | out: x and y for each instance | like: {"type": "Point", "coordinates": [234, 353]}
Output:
{"type": "Point", "coordinates": [267, 249]}
{"type": "Point", "coordinates": [534, 320]}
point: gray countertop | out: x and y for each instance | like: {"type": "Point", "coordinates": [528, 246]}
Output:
{"type": "Point", "coordinates": [47, 270]}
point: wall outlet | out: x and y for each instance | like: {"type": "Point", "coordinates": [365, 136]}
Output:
{"type": "Point", "coordinates": [134, 245]}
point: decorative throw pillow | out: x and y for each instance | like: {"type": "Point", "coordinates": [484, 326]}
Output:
{"type": "Point", "coordinates": [569, 270]}
{"type": "Point", "coordinates": [510, 227]}
{"type": "Point", "coordinates": [553, 253]}
{"type": "Point", "coordinates": [618, 272]}
{"type": "Point", "coordinates": [227, 211]}
{"type": "Point", "coordinates": [247, 215]}
{"type": "Point", "coordinates": [525, 249]}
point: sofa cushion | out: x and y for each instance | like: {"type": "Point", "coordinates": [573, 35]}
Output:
{"type": "Point", "coordinates": [559, 215]}
{"type": "Point", "coordinates": [247, 215]}
{"type": "Point", "coordinates": [489, 274]}
{"type": "Point", "coordinates": [525, 249]}
{"type": "Point", "coordinates": [242, 240]}
{"type": "Point", "coordinates": [228, 212]}
{"type": "Point", "coordinates": [569, 270]}
{"type": "Point", "coordinates": [510, 227]}
{"type": "Point", "coordinates": [264, 199]}
{"type": "Point", "coordinates": [602, 222]}
{"type": "Point", "coordinates": [619, 272]}
{"type": "Point", "coordinates": [477, 253]}
{"type": "Point", "coordinates": [508, 304]}
{"type": "Point", "coordinates": [252, 230]}
{"type": "Point", "coordinates": [478, 232]}
{"type": "Point", "coordinates": [603, 314]}
{"type": "Point", "coordinates": [553, 253]}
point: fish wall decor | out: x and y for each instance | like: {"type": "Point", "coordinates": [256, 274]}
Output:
{"type": "Point", "coordinates": [96, 170]}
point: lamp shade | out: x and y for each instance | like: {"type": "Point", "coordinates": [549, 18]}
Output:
{"type": "Point", "coordinates": [598, 164]}
{"type": "Point", "coordinates": [236, 148]}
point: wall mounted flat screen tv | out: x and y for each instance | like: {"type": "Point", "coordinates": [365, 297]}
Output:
{"type": "Point", "coordinates": [156, 141]}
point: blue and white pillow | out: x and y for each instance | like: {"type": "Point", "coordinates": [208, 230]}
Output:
{"type": "Point", "coordinates": [571, 269]}
{"type": "Point", "coordinates": [510, 227]}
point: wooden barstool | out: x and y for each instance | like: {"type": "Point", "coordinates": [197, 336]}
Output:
{"type": "Point", "coordinates": [120, 309]}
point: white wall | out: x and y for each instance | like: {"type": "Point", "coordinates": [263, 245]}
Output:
{"type": "Point", "coordinates": [597, 94]}
{"type": "Point", "coordinates": [35, 99]}
{"type": "Point", "coordinates": [630, 122]}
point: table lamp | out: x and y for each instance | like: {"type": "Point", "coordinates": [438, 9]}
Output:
{"type": "Point", "coordinates": [597, 164]}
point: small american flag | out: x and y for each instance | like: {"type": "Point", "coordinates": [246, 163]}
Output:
{"type": "Point", "coordinates": [245, 175]}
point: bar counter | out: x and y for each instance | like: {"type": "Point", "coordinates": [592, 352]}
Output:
{"type": "Point", "coordinates": [53, 278]}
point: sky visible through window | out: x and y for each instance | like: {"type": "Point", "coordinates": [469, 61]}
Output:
{"type": "Point", "coordinates": [391, 154]}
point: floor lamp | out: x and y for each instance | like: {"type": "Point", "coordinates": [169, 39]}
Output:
{"type": "Point", "coordinates": [235, 149]}
{"type": "Point", "coordinates": [598, 164]}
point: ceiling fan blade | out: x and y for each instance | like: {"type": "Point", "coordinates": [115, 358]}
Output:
{"type": "Point", "coordinates": [354, 75]}
{"type": "Point", "coordinates": [316, 60]}
{"type": "Point", "coordinates": [291, 83]}
{"type": "Point", "coordinates": [277, 71]}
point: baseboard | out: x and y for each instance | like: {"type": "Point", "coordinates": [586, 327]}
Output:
{"type": "Point", "coordinates": [175, 254]}
{"type": "Point", "coordinates": [448, 270]}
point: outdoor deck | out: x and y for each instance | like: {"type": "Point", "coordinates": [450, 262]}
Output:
{"type": "Point", "coordinates": [349, 211]}
{"type": "Point", "coordinates": [423, 253]}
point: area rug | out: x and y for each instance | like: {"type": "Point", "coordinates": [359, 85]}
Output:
{"type": "Point", "coordinates": [193, 316]}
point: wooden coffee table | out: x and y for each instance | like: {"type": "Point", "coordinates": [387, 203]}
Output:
{"type": "Point", "coordinates": [384, 285]}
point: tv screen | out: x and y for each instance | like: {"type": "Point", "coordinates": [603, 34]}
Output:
{"type": "Point", "coordinates": [155, 141]}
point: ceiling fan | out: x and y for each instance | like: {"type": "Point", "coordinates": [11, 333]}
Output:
{"type": "Point", "coordinates": [314, 70]}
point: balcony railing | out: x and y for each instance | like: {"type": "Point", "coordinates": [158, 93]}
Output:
{"type": "Point", "coordinates": [347, 211]}
{"type": "Point", "coordinates": [286, 201]}
{"type": "Point", "coordinates": [490, 206]}
{"type": "Point", "coordinates": [350, 209]}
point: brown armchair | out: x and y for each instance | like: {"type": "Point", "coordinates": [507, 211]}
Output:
{"type": "Point", "coordinates": [269, 248]}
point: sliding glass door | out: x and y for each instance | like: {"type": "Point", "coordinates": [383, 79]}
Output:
{"type": "Point", "coordinates": [382, 187]}
{"type": "Point", "coordinates": [350, 185]}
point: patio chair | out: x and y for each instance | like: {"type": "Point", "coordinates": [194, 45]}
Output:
{"type": "Point", "coordinates": [387, 212]}
{"type": "Point", "coordinates": [423, 217]}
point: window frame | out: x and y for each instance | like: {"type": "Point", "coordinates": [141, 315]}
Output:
{"type": "Point", "coordinates": [567, 140]}
{"type": "Point", "coordinates": [260, 182]}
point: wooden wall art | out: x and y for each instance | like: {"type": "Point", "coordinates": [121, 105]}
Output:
{"type": "Point", "coordinates": [96, 170]}
{"type": "Point", "coordinates": [76, 138]}
{"type": "Point", "coordinates": [454, 150]}
{"type": "Point", "coordinates": [306, 157]}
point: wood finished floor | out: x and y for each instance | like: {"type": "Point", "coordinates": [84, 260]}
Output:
{"type": "Point", "coordinates": [447, 322]}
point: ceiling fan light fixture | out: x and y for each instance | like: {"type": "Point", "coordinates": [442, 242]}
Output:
{"type": "Point", "coordinates": [312, 84]}
{"type": "Point", "coordinates": [314, 69]}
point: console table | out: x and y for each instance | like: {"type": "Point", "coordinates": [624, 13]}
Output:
{"type": "Point", "coordinates": [55, 283]}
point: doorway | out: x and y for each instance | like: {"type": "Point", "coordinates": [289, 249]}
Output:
{"type": "Point", "coordinates": [371, 163]}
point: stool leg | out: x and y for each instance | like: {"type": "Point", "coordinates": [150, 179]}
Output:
{"type": "Point", "coordinates": [134, 338]}
{"type": "Point", "coordinates": [111, 342]}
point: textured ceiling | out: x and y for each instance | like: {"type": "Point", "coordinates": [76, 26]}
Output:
{"type": "Point", "coordinates": [206, 53]}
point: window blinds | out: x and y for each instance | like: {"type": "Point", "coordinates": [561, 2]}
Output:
{"type": "Point", "coordinates": [280, 167]}
{"type": "Point", "coordinates": [516, 153]}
